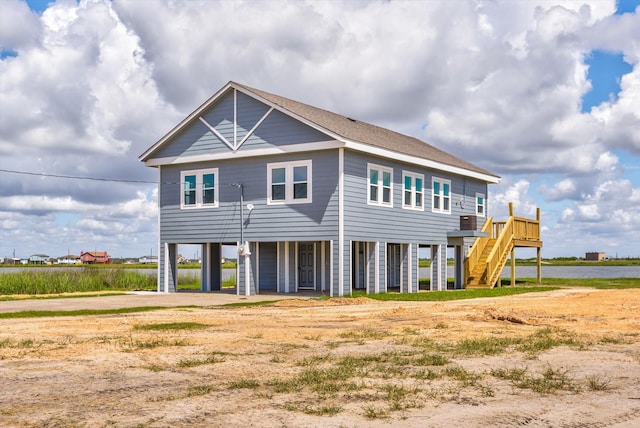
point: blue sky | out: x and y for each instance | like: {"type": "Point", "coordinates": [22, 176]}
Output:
{"type": "Point", "coordinates": [544, 93]}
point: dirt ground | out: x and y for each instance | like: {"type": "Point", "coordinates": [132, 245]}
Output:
{"type": "Point", "coordinates": [565, 358]}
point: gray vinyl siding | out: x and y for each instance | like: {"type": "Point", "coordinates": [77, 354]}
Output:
{"type": "Point", "coordinates": [415, 286]}
{"type": "Point", "coordinates": [404, 254]}
{"type": "Point", "coordinates": [371, 267]}
{"type": "Point", "coordinates": [173, 269]}
{"type": "Point", "coordinates": [382, 284]}
{"type": "Point", "coordinates": [278, 129]}
{"type": "Point", "coordinates": [396, 224]}
{"type": "Point", "coordinates": [196, 139]}
{"type": "Point", "coordinates": [266, 223]}
{"type": "Point", "coordinates": [268, 254]}
{"type": "Point", "coordinates": [249, 112]}
{"type": "Point", "coordinates": [221, 117]}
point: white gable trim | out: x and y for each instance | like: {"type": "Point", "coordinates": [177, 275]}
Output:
{"type": "Point", "coordinates": [179, 127]}
{"type": "Point", "coordinates": [323, 145]}
{"type": "Point", "coordinates": [419, 161]}
{"type": "Point", "coordinates": [353, 145]}
{"type": "Point", "coordinates": [250, 133]}
{"type": "Point", "coordinates": [215, 131]}
{"type": "Point", "coordinates": [292, 148]}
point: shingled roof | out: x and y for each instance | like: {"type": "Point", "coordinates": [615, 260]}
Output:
{"type": "Point", "coordinates": [342, 128]}
{"type": "Point", "coordinates": [363, 132]}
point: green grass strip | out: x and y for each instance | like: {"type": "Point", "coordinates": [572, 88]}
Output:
{"type": "Point", "coordinates": [599, 283]}
{"type": "Point", "coordinates": [438, 296]}
{"type": "Point", "coordinates": [244, 304]}
{"type": "Point", "coordinates": [83, 312]}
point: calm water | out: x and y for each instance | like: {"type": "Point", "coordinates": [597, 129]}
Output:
{"type": "Point", "coordinates": [562, 272]}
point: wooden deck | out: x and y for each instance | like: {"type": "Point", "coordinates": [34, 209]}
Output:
{"type": "Point", "coordinates": [488, 256]}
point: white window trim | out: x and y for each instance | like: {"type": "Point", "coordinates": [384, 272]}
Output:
{"type": "Point", "coordinates": [380, 169]}
{"type": "Point", "coordinates": [288, 181]}
{"type": "Point", "coordinates": [413, 176]}
{"type": "Point", "coordinates": [442, 182]}
{"type": "Point", "coordinates": [484, 204]}
{"type": "Point", "coordinates": [199, 187]}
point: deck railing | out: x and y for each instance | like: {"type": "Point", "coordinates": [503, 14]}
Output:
{"type": "Point", "coordinates": [508, 234]}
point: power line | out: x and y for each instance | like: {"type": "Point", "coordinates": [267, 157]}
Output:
{"type": "Point", "coordinates": [75, 177]}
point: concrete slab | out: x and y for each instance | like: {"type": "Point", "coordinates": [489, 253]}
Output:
{"type": "Point", "coordinates": [144, 298]}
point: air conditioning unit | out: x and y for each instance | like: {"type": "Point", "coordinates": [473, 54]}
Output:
{"type": "Point", "coordinates": [468, 222]}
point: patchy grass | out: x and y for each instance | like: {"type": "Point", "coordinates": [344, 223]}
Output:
{"type": "Point", "coordinates": [85, 312]}
{"type": "Point", "coordinates": [547, 382]}
{"type": "Point", "coordinates": [243, 384]}
{"type": "Point", "coordinates": [171, 326]}
{"type": "Point", "coordinates": [438, 296]}
{"type": "Point", "coordinates": [212, 358]}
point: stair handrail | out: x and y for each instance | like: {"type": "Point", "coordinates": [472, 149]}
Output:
{"type": "Point", "coordinates": [500, 248]}
{"type": "Point", "coordinates": [477, 248]}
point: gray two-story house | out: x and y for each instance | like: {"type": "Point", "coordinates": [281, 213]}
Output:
{"type": "Point", "coordinates": [313, 200]}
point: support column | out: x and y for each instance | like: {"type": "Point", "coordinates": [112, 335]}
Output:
{"type": "Point", "coordinates": [205, 279]}
{"type": "Point", "coordinates": [539, 249]}
{"type": "Point", "coordinates": [458, 266]}
{"type": "Point", "coordinates": [513, 268]}
{"type": "Point", "coordinates": [215, 266]}
{"type": "Point", "coordinates": [438, 268]}
{"type": "Point", "coordinates": [170, 268]}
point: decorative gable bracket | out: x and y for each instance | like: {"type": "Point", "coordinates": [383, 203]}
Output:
{"type": "Point", "coordinates": [235, 144]}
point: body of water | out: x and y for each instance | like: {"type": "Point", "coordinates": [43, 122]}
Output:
{"type": "Point", "coordinates": [561, 272]}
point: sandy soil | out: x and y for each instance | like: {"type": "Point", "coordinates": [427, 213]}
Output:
{"type": "Point", "coordinates": [291, 364]}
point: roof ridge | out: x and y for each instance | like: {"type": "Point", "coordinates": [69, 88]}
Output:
{"type": "Point", "coordinates": [364, 132]}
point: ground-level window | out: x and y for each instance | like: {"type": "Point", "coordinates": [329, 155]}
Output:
{"type": "Point", "coordinates": [199, 188]}
{"type": "Point", "coordinates": [441, 200]}
{"type": "Point", "coordinates": [289, 182]}
{"type": "Point", "coordinates": [380, 185]}
{"type": "Point", "coordinates": [480, 205]}
{"type": "Point", "coordinates": [412, 195]}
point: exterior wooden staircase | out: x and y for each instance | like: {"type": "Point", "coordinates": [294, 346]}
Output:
{"type": "Point", "coordinates": [488, 255]}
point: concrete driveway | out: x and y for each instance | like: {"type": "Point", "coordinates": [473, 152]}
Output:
{"type": "Point", "coordinates": [145, 298]}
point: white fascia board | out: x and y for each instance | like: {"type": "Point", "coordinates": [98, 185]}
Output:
{"type": "Point", "coordinates": [292, 148]}
{"type": "Point", "coordinates": [419, 161]}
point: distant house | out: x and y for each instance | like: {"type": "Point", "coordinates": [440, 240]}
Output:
{"type": "Point", "coordinates": [39, 259]}
{"type": "Point", "coordinates": [148, 259]}
{"type": "Point", "coordinates": [595, 257]}
{"type": "Point", "coordinates": [95, 257]}
{"type": "Point", "coordinates": [69, 259]}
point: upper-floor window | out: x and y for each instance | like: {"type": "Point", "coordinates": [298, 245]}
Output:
{"type": "Point", "coordinates": [480, 205]}
{"type": "Point", "coordinates": [380, 185]}
{"type": "Point", "coordinates": [441, 201]}
{"type": "Point", "coordinates": [199, 188]}
{"type": "Point", "coordinates": [412, 195]}
{"type": "Point", "coordinates": [289, 182]}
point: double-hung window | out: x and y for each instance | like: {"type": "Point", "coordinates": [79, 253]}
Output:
{"type": "Point", "coordinates": [380, 185]}
{"type": "Point", "coordinates": [412, 194]}
{"type": "Point", "coordinates": [289, 182]}
{"type": "Point", "coordinates": [199, 188]}
{"type": "Point", "coordinates": [480, 205]}
{"type": "Point", "coordinates": [441, 197]}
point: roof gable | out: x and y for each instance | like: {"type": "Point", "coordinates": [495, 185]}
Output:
{"type": "Point", "coordinates": [336, 126]}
